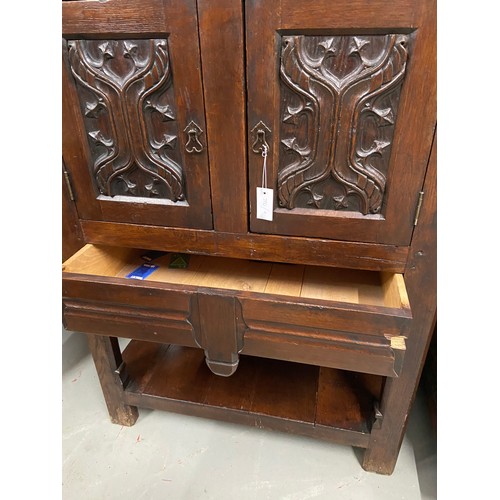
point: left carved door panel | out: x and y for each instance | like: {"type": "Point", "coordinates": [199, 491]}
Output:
{"type": "Point", "coordinates": [134, 135]}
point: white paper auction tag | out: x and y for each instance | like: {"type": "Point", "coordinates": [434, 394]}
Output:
{"type": "Point", "coordinates": [265, 204]}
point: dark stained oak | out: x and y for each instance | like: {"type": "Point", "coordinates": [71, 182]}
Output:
{"type": "Point", "coordinates": [345, 354]}
{"type": "Point", "coordinates": [385, 442]}
{"type": "Point", "coordinates": [318, 321]}
{"type": "Point", "coordinates": [221, 25]}
{"type": "Point", "coordinates": [134, 131]}
{"type": "Point", "coordinates": [272, 248]}
{"type": "Point", "coordinates": [285, 391]}
{"type": "Point", "coordinates": [236, 392]}
{"type": "Point", "coordinates": [72, 236]}
{"type": "Point", "coordinates": [375, 15]}
{"type": "Point", "coordinates": [351, 114]}
{"type": "Point", "coordinates": [108, 362]}
{"type": "Point", "coordinates": [338, 112]}
{"type": "Point", "coordinates": [126, 16]}
{"type": "Point", "coordinates": [127, 308]}
{"type": "Point", "coordinates": [309, 313]}
{"type": "Point", "coordinates": [140, 361]}
{"type": "Point", "coordinates": [225, 308]}
{"type": "Point", "coordinates": [180, 377]}
{"type": "Point", "coordinates": [337, 402]}
{"type": "Point", "coordinates": [76, 155]}
{"type": "Point", "coordinates": [220, 332]}
{"type": "Point", "coordinates": [265, 393]}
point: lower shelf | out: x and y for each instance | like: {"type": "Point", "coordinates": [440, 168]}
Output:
{"type": "Point", "coordinates": [325, 403]}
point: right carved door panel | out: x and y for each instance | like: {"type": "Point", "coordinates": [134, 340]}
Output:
{"type": "Point", "coordinates": [338, 107]}
{"type": "Point", "coordinates": [346, 113]}
{"type": "Point", "coordinates": [135, 136]}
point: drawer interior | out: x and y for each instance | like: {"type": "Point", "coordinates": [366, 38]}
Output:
{"type": "Point", "coordinates": [293, 280]}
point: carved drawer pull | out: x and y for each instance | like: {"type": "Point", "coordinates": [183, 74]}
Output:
{"type": "Point", "coordinates": [259, 136]}
{"type": "Point", "coordinates": [193, 144]}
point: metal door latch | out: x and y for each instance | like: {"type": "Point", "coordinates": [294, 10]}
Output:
{"type": "Point", "coordinates": [193, 144]}
{"type": "Point", "coordinates": [260, 135]}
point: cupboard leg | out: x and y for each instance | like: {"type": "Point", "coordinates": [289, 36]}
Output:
{"type": "Point", "coordinates": [420, 278]}
{"type": "Point", "coordinates": [399, 393]}
{"type": "Point", "coordinates": [109, 365]}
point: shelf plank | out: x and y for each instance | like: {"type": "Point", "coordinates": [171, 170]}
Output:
{"type": "Point", "coordinates": [141, 360]}
{"type": "Point", "coordinates": [329, 284]}
{"type": "Point", "coordinates": [286, 390]}
{"type": "Point", "coordinates": [236, 391]}
{"type": "Point", "coordinates": [188, 276]}
{"type": "Point", "coordinates": [211, 272]}
{"type": "Point", "coordinates": [302, 399]}
{"type": "Point", "coordinates": [345, 399]}
{"type": "Point", "coordinates": [293, 280]}
{"type": "Point", "coordinates": [233, 274]}
{"type": "Point", "coordinates": [285, 279]}
{"type": "Point", "coordinates": [181, 375]}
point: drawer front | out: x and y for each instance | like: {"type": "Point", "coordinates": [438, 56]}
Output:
{"type": "Point", "coordinates": [126, 308]}
{"type": "Point", "coordinates": [370, 341]}
{"type": "Point", "coordinates": [226, 307]}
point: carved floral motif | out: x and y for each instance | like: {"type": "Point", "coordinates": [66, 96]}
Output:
{"type": "Point", "coordinates": [124, 88]}
{"type": "Point", "coordinates": [339, 104]}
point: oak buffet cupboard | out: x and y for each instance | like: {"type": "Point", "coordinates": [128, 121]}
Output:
{"type": "Point", "coordinates": [283, 152]}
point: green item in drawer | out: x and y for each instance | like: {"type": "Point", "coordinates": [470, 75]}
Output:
{"type": "Point", "coordinates": [179, 261]}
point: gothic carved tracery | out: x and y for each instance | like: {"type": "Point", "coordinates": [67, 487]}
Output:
{"type": "Point", "coordinates": [339, 100]}
{"type": "Point", "coordinates": [125, 91]}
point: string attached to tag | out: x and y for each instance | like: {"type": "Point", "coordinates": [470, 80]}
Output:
{"type": "Point", "coordinates": [265, 198]}
{"type": "Point", "coordinates": [264, 167]}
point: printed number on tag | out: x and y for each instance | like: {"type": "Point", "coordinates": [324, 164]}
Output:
{"type": "Point", "coordinates": [265, 204]}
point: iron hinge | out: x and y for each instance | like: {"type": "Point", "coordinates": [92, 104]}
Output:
{"type": "Point", "coordinates": [377, 416]}
{"type": "Point", "coordinates": [68, 185]}
{"type": "Point", "coordinates": [419, 206]}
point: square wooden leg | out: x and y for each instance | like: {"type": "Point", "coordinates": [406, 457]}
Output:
{"type": "Point", "coordinates": [420, 279]}
{"type": "Point", "coordinates": [387, 434]}
{"type": "Point", "coordinates": [110, 369]}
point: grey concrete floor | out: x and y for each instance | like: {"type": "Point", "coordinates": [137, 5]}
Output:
{"type": "Point", "coordinates": [170, 456]}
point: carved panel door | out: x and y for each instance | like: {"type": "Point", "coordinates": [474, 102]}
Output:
{"type": "Point", "coordinates": [345, 105]}
{"type": "Point", "coordinates": [134, 135]}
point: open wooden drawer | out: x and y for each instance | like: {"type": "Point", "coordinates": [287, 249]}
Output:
{"type": "Point", "coordinates": [347, 319]}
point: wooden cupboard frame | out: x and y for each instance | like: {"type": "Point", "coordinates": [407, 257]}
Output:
{"type": "Point", "coordinates": [311, 339]}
